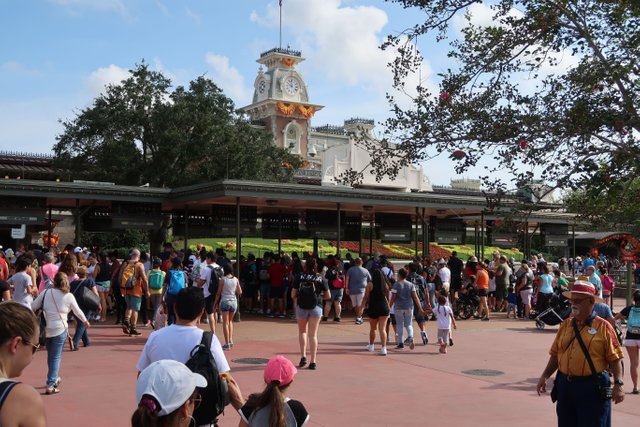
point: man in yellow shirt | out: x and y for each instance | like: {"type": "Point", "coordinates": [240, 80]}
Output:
{"type": "Point", "coordinates": [577, 388]}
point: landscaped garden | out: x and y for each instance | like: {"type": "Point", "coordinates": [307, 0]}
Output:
{"type": "Point", "coordinates": [258, 246]}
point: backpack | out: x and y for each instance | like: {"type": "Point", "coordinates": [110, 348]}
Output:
{"type": "Point", "coordinates": [307, 293]}
{"type": "Point", "coordinates": [633, 321]}
{"type": "Point", "coordinates": [216, 395]}
{"type": "Point", "coordinates": [263, 273]}
{"type": "Point", "coordinates": [260, 417]}
{"type": "Point", "coordinates": [418, 282]}
{"type": "Point", "coordinates": [248, 276]}
{"type": "Point", "coordinates": [176, 281]}
{"type": "Point", "coordinates": [128, 278]}
{"type": "Point", "coordinates": [155, 279]}
{"type": "Point", "coordinates": [195, 272]}
{"type": "Point", "coordinates": [48, 281]}
{"type": "Point", "coordinates": [216, 275]}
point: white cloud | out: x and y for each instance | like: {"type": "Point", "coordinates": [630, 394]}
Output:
{"type": "Point", "coordinates": [13, 67]}
{"type": "Point", "coordinates": [101, 77]}
{"type": "Point", "coordinates": [163, 8]}
{"type": "Point", "coordinates": [193, 16]}
{"type": "Point", "coordinates": [228, 78]}
{"type": "Point", "coordinates": [76, 7]}
{"type": "Point", "coordinates": [341, 43]}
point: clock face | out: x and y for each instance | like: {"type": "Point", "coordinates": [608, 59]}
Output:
{"type": "Point", "coordinates": [262, 86]}
{"type": "Point", "coordinates": [291, 85]}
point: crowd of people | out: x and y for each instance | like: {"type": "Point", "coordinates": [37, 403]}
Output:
{"type": "Point", "coordinates": [176, 292]}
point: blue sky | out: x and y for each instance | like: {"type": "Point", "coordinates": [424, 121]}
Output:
{"type": "Point", "coordinates": [57, 55]}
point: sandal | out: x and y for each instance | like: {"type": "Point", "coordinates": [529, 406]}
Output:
{"type": "Point", "coordinates": [303, 362]}
{"type": "Point", "coordinates": [52, 390]}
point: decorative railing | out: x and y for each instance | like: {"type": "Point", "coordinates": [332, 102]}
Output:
{"type": "Point", "coordinates": [281, 50]}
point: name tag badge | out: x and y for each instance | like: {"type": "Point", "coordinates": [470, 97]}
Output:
{"type": "Point", "coordinates": [592, 331]}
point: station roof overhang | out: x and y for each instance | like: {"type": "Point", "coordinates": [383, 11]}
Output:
{"type": "Point", "coordinates": [268, 196]}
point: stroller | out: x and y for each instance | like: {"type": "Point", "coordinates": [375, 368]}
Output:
{"type": "Point", "coordinates": [559, 309]}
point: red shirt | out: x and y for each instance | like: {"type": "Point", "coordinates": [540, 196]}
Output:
{"type": "Point", "coordinates": [276, 274]}
{"type": "Point", "coordinates": [482, 279]}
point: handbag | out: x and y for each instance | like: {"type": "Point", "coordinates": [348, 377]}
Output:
{"type": "Point", "coordinates": [606, 391]}
{"type": "Point", "coordinates": [42, 317]}
{"type": "Point", "coordinates": [87, 299]}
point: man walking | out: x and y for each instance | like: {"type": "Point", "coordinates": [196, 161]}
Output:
{"type": "Point", "coordinates": [584, 349]}
{"type": "Point", "coordinates": [357, 279]}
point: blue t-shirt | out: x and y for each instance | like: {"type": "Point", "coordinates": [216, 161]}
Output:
{"type": "Point", "coordinates": [512, 298]}
{"type": "Point", "coordinates": [404, 295]}
{"type": "Point", "coordinates": [546, 283]}
{"type": "Point", "coordinates": [602, 310]}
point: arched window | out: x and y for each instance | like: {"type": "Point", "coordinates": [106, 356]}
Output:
{"type": "Point", "coordinates": [292, 136]}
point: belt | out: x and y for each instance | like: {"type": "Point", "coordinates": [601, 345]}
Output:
{"type": "Point", "coordinates": [577, 378]}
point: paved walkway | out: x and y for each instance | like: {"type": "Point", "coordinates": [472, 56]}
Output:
{"type": "Point", "coordinates": [351, 386]}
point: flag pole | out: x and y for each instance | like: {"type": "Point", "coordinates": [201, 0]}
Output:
{"type": "Point", "coordinates": [280, 3]}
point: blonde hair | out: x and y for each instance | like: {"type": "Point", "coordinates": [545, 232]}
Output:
{"type": "Point", "coordinates": [82, 270]}
{"type": "Point", "coordinates": [61, 282]}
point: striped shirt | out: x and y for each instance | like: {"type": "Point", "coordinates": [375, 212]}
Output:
{"type": "Point", "coordinates": [600, 340]}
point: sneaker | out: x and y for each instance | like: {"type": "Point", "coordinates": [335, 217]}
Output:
{"type": "Point", "coordinates": [324, 318]}
{"type": "Point", "coordinates": [370, 347]}
{"type": "Point", "coordinates": [336, 319]}
{"type": "Point", "coordinates": [359, 321]}
{"type": "Point", "coordinates": [383, 351]}
{"type": "Point", "coordinates": [485, 319]}
{"type": "Point", "coordinates": [226, 347]}
{"type": "Point", "coordinates": [425, 339]}
{"type": "Point", "coordinates": [134, 333]}
{"type": "Point", "coordinates": [408, 341]}
{"type": "Point", "coordinates": [126, 327]}
{"type": "Point", "coordinates": [400, 346]}
{"type": "Point", "coordinates": [281, 316]}
{"type": "Point", "coordinates": [411, 344]}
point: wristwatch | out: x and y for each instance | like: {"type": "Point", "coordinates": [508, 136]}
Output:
{"type": "Point", "coordinates": [618, 382]}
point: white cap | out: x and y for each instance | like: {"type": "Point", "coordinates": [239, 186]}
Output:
{"type": "Point", "coordinates": [77, 250]}
{"type": "Point", "coordinates": [441, 261]}
{"type": "Point", "coordinates": [192, 258]}
{"type": "Point", "coordinates": [170, 382]}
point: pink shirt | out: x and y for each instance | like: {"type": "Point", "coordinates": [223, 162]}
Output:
{"type": "Point", "coordinates": [50, 270]}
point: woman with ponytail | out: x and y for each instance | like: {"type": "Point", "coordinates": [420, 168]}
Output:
{"type": "Point", "coordinates": [271, 408]}
{"type": "Point", "coordinates": [167, 394]}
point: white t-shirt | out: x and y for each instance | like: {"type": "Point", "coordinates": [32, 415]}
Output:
{"type": "Point", "coordinates": [57, 306]}
{"type": "Point", "coordinates": [443, 313]}
{"type": "Point", "coordinates": [229, 289]}
{"type": "Point", "coordinates": [205, 274]}
{"type": "Point", "coordinates": [445, 274]}
{"type": "Point", "coordinates": [20, 282]}
{"type": "Point", "coordinates": [175, 342]}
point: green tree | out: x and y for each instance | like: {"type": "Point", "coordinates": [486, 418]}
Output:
{"type": "Point", "coordinates": [143, 131]}
{"type": "Point", "coordinates": [572, 126]}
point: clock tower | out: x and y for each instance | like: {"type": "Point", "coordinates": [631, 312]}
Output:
{"type": "Point", "coordinates": [281, 101]}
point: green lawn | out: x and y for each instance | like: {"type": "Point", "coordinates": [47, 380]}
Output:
{"type": "Point", "coordinates": [398, 251]}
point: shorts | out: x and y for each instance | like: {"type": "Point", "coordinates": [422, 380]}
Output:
{"type": "Point", "coordinates": [337, 294]}
{"type": "Point", "coordinates": [630, 343]}
{"type": "Point", "coordinates": [456, 283]}
{"type": "Point", "coordinates": [392, 318]}
{"type": "Point", "coordinates": [356, 300]}
{"type": "Point", "coordinates": [208, 304]}
{"type": "Point", "coordinates": [443, 334]}
{"type": "Point", "coordinates": [103, 286]}
{"type": "Point", "coordinates": [276, 292]}
{"type": "Point", "coordinates": [445, 287]}
{"type": "Point", "coordinates": [482, 292]}
{"type": "Point", "coordinates": [511, 307]}
{"type": "Point", "coordinates": [133, 302]}
{"type": "Point", "coordinates": [249, 290]}
{"type": "Point", "coordinates": [264, 290]}
{"type": "Point", "coordinates": [501, 291]}
{"type": "Point", "coordinates": [525, 295]}
{"type": "Point", "coordinates": [304, 314]}
{"type": "Point", "coordinates": [229, 305]}
{"type": "Point", "coordinates": [419, 318]}
{"type": "Point", "coordinates": [378, 310]}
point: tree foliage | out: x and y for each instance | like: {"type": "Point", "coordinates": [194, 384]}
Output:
{"type": "Point", "coordinates": [512, 95]}
{"type": "Point", "coordinates": [143, 131]}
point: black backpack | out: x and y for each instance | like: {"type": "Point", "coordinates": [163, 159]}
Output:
{"type": "Point", "coordinates": [418, 282]}
{"type": "Point", "coordinates": [307, 298]}
{"type": "Point", "coordinates": [216, 275]}
{"type": "Point", "coordinates": [248, 276]}
{"type": "Point", "coordinates": [216, 395]}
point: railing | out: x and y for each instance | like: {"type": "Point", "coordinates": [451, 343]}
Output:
{"type": "Point", "coordinates": [308, 173]}
{"type": "Point", "coordinates": [281, 50]}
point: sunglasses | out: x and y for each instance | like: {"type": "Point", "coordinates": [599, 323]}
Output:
{"type": "Point", "coordinates": [34, 347]}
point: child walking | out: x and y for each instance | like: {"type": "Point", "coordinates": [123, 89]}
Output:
{"type": "Point", "coordinates": [444, 314]}
{"type": "Point", "coordinates": [512, 300]}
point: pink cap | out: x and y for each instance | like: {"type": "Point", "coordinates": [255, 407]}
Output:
{"type": "Point", "coordinates": [279, 369]}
